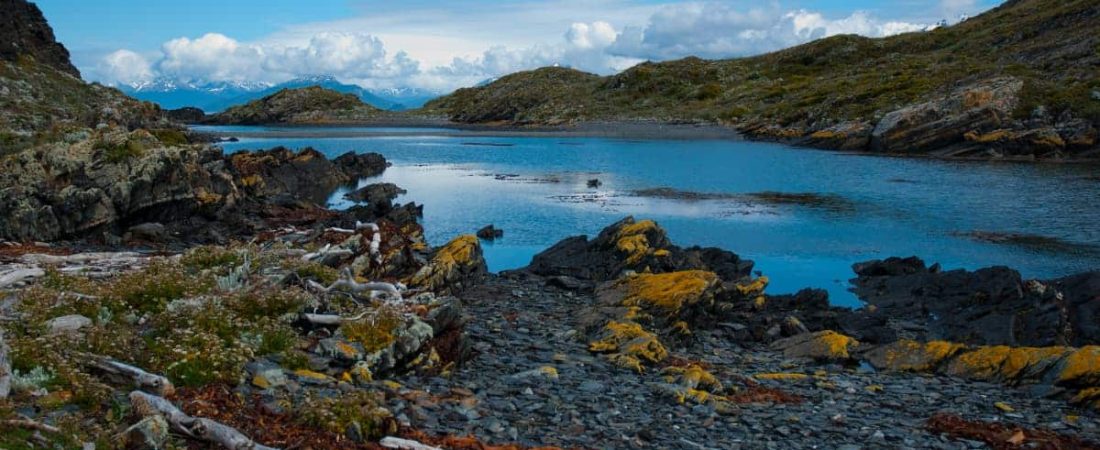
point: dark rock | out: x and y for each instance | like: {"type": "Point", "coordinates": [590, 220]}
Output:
{"type": "Point", "coordinates": [489, 232]}
{"type": "Point", "coordinates": [25, 32]}
{"type": "Point", "coordinates": [991, 306]}
{"type": "Point", "coordinates": [361, 165]}
{"type": "Point", "coordinates": [152, 232]}
{"type": "Point", "coordinates": [376, 194]}
{"type": "Point", "coordinates": [630, 245]}
{"type": "Point", "coordinates": [594, 183]}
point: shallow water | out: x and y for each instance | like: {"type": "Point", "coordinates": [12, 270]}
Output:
{"type": "Point", "coordinates": [535, 189]}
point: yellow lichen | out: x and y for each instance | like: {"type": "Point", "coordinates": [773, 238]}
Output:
{"type": "Point", "coordinates": [629, 344]}
{"type": "Point", "coordinates": [457, 253]}
{"type": "Point", "coordinates": [1004, 407]}
{"type": "Point", "coordinates": [306, 373]}
{"type": "Point", "coordinates": [983, 363]}
{"type": "Point", "coordinates": [836, 345]}
{"type": "Point", "coordinates": [908, 355]}
{"type": "Point", "coordinates": [549, 371]}
{"type": "Point", "coordinates": [874, 388]}
{"type": "Point", "coordinates": [252, 180]}
{"type": "Point", "coordinates": [755, 287]}
{"type": "Point", "coordinates": [781, 376]}
{"type": "Point", "coordinates": [1082, 367]}
{"type": "Point", "coordinates": [1086, 397]}
{"type": "Point", "coordinates": [632, 240]}
{"type": "Point", "coordinates": [693, 377]}
{"type": "Point", "coordinates": [1021, 358]}
{"type": "Point", "coordinates": [668, 291]}
{"type": "Point", "coordinates": [661, 253]}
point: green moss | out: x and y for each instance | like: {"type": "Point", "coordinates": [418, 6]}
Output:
{"type": "Point", "coordinates": [211, 257]}
{"type": "Point", "coordinates": [152, 288]}
{"type": "Point", "coordinates": [359, 410]}
{"type": "Point", "coordinates": [120, 152]}
{"type": "Point", "coordinates": [170, 137]}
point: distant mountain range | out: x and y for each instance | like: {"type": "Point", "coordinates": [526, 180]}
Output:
{"type": "Point", "coordinates": [218, 96]}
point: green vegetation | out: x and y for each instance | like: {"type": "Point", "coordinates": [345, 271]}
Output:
{"type": "Point", "coordinates": [1052, 46]}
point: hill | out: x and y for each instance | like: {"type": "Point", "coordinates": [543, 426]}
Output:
{"type": "Point", "coordinates": [1020, 80]}
{"type": "Point", "coordinates": [42, 97]}
{"type": "Point", "coordinates": [307, 105]}
{"type": "Point", "coordinates": [218, 96]}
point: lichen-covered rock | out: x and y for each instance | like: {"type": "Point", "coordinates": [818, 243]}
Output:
{"type": "Point", "coordinates": [67, 324]}
{"type": "Point", "coordinates": [453, 267]}
{"type": "Point", "coordinates": [943, 122]}
{"type": "Point", "coordinates": [306, 174]}
{"type": "Point", "coordinates": [912, 356]}
{"type": "Point", "coordinates": [628, 345]}
{"type": "Point", "coordinates": [825, 345]}
{"type": "Point", "coordinates": [630, 245]}
{"type": "Point", "coordinates": [843, 136]}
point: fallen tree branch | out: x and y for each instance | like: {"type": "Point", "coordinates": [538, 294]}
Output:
{"type": "Point", "coordinates": [348, 284]}
{"type": "Point", "coordinates": [24, 422]}
{"type": "Point", "coordinates": [140, 378]}
{"type": "Point", "coordinates": [327, 251]}
{"type": "Point", "coordinates": [331, 319]}
{"type": "Point", "coordinates": [404, 444]}
{"type": "Point", "coordinates": [148, 405]}
{"type": "Point", "coordinates": [81, 258]}
{"type": "Point", "coordinates": [17, 275]}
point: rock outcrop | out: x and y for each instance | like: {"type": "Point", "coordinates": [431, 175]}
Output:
{"type": "Point", "coordinates": [453, 267]}
{"type": "Point", "coordinates": [24, 32]}
{"type": "Point", "coordinates": [629, 245]}
{"type": "Point", "coordinates": [991, 306]}
{"type": "Point", "coordinates": [305, 174]}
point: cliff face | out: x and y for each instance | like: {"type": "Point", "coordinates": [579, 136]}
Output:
{"type": "Point", "coordinates": [312, 104]}
{"type": "Point", "coordinates": [24, 32]}
{"type": "Point", "coordinates": [1019, 81]}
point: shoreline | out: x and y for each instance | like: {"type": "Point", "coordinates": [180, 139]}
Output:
{"type": "Point", "coordinates": [615, 129]}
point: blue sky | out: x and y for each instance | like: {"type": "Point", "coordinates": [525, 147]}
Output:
{"type": "Point", "coordinates": [441, 44]}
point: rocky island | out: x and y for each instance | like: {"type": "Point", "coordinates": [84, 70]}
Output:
{"type": "Point", "coordinates": [157, 292]}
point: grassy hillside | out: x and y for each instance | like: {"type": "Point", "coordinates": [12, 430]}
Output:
{"type": "Point", "coordinates": [1053, 47]}
{"type": "Point", "coordinates": [312, 104]}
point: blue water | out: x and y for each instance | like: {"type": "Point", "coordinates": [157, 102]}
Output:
{"type": "Point", "coordinates": [535, 189]}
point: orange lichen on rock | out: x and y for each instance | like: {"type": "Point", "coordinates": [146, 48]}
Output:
{"type": "Point", "coordinates": [822, 345]}
{"type": "Point", "coordinates": [450, 264]}
{"type": "Point", "coordinates": [754, 288]}
{"type": "Point", "coordinates": [911, 356]}
{"type": "Point", "coordinates": [669, 292]}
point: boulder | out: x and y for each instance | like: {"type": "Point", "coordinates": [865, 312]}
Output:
{"type": "Point", "coordinates": [376, 199]}
{"type": "Point", "coordinates": [821, 346]}
{"type": "Point", "coordinates": [453, 267]}
{"type": "Point", "coordinates": [630, 245]}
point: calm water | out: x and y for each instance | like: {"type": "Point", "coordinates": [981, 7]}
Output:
{"type": "Point", "coordinates": [535, 189]}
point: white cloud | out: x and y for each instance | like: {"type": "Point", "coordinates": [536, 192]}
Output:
{"type": "Point", "coordinates": [124, 66]}
{"type": "Point", "coordinates": [709, 30]}
{"type": "Point", "coordinates": [954, 8]}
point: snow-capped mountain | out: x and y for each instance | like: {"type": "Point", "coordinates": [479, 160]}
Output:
{"type": "Point", "coordinates": [217, 96]}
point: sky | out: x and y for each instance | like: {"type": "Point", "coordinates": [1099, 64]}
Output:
{"type": "Point", "coordinates": [441, 45]}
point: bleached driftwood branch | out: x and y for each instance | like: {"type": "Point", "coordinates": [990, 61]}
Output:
{"type": "Point", "coordinates": [140, 378]}
{"type": "Point", "coordinates": [404, 444]}
{"type": "Point", "coordinates": [375, 240]}
{"type": "Point", "coordinates": [331, 319]}
{"type": "Point", "coordinates": [148, 405]}
{"type": "Point", "coordinates": [14, 276]}
{"type": "Point", "coordinates": [326, 252]}
{"type": "Point", "coordinates": [5, 368]}
{"type": "Point", "coordinates": [347, 284]}
{"type": "Point", "coordinates": [25, 422]}
{"type": "Point", "coordinates": [82, 258]}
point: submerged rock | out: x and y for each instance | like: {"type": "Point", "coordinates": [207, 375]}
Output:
{"type": "Point", "coordinates": [489, 232]}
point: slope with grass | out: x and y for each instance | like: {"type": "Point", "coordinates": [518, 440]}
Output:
{"type": "Point", "coordinates": [307, 105]}
{"type": "Point", "coordinates": [1021, 80]}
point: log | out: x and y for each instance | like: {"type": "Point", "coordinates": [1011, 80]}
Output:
{"type": "Point", "coordinates": [203, 429]}
{"type": "Point", "coordinates": [348, 284]}
{"type": "Point", "coordinates": [81, 258]}
{"type": "Point", "coordinates": [5, 368]}
{"type": "Point", "coordinates": [142, 379]}
{"type": "Point", "coordinates": [11, 277]}
{"type": "Point", "coordinates": [331, 319]}
{"type": "Point", "coordinates": [404, 444]}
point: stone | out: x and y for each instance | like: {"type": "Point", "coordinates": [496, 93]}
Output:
{"type": "Point", "coordinates": [67, 324]}
{"type": "Point", "coordinates": [822, 346]}
{"type": "Point", "coordinates": [489, 232]}
{"type": "Point", "coordinates": [453, 267]}
{"type": "Point", "coordinates": [151, 433]}
{"type": "Point", "coordinates": [269, 378]}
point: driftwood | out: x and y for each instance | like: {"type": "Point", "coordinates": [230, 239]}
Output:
{"type": "Point", "coordinates": [326, 252]}
{"type": "Point", "coordinates": [404, 444]}
{"type": "Point", "coordinates": [347, 284]}
{"type": "Point", "coordinates": [148, 405]}
{"type": "Point", "coordinates": [14, 276]}
{"type": "Point", "coordinates": [140, 378]}
{"type": "Point", "coordinates": [5, 368]}
{"type": "Point", "coordinates": [82, 258]}
{"type": "Point", "coordinates": [24, 422]}
{"type": "Point", "coordinates": [331, 319]}
{"type": "Point", "coordinates": [375, 240]}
